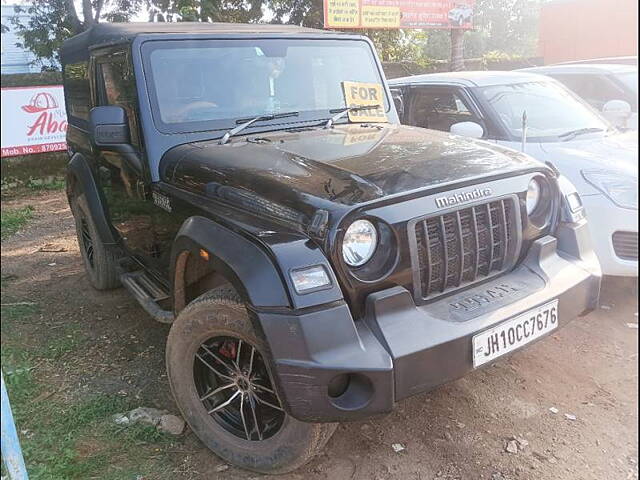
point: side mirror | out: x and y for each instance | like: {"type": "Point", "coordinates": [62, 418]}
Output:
{"type": "Point", "coordinates": [399, 104]}
{"type": "Point", "coordinates": [467, 129]}
{"type": "Point", "coordinates": [617, 112]}
{"type": "Point", "coordinates": [109, 127]}
{"type": "Point", "coordinates": [109, 131]}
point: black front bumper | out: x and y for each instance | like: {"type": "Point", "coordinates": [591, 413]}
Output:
{"type": "Point", "coordinates": [399, 349]}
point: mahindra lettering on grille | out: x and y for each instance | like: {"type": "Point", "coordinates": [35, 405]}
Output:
{"type": "Point", "coordinates": [465, 246]}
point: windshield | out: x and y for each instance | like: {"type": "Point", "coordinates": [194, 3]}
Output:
{"type": "Point", "coordinates": [552, 111]}
{"type": "Point", "coordinates": [210, 84]}
{"type": "Point", "coordinates": [630, 80]}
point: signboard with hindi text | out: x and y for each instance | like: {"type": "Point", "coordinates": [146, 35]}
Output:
{"type": "Point", "coordinates": [391, 14]}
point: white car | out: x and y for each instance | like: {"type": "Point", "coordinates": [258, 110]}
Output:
{"type": "Point", "coordinates": [460, 15]}
{"type": "Point", "coordinates": [611, 89]}
{"type": "Point", "coordinates": [559, 128]}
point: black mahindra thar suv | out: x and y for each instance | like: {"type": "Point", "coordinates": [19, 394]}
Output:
{"type": "Point", "coordinates": [317, 261]}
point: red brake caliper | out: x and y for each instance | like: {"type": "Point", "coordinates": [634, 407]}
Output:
{"type": "Point", "coordinates": [228, 349]}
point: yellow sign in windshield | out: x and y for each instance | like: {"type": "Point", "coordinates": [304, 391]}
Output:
{"type": "Point", "coordinates": [360, 94]}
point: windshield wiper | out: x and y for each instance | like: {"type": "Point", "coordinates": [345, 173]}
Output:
{"type": "Point", "coordinates": [244, 123]}
{"type": "Point", "coordinates": [345, 110]}
{"type": "Point", "coordinates": [580, 131]}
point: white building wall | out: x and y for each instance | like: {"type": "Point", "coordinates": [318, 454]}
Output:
{"type": "Point", "coordinates": [14, 59]}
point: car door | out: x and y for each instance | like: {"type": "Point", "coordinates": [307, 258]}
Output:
{"type": "Point", "coordinates": [438, 107]}
{"type": "Point", "coordinates": [124, 188]}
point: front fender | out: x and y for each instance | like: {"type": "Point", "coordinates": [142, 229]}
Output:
{"type": "Point", "coordinates": [258, 270]}
{"type": "Point", "coordinates": [79, 174]}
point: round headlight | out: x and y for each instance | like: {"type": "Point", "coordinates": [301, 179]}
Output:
{"type": "Point", "coordinates": [534, 192]}
{"type": "Point", "coordinates": [359, 243]}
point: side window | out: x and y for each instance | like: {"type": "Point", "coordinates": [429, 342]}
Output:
{"type": "Point", "coordinates": [116, 86]}
{"type": "Point", "coordinates": [439, 108]}
{"type": "Point", "coordinates": [595, 89]}
{"type": "Point", "coordinates": [77, 93]}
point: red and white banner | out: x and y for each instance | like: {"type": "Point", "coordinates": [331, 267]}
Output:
{"type": "Point", "coordinates": [33, 120]}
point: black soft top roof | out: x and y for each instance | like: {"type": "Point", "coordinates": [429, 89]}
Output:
{"type": "Point", "coordinates": [77, 48]}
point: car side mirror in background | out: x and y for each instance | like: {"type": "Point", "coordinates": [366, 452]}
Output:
{"type": "Point", "coordinates": [617, 112]}
{"type": "Point", "coordinates": [109, 131]}
{"type": "Point", "coordinates": [467, 129]}
{"type": "Point", "coordinates": [399, 103]}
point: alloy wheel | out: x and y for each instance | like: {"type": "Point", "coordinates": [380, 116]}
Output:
{"type": "Point", "coordinates": [234, 387]}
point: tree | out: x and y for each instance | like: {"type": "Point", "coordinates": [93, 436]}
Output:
{"type": "Point", "coordinates": [51, 22]}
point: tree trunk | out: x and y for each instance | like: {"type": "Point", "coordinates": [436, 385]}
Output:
{"type": "Point", "coordinates": [457, 50]}
{"type": "Point", "coordinates": [87, 13]}
{"type": "Point", "coordinates": [73, 17]}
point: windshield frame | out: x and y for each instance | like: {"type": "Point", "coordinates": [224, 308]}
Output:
{"type": "Point", "coordinates": [222, 125]}
{"type": "Point", "coordinates": [508, 135]}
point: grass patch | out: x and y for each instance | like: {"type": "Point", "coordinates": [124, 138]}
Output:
{"type": "Point", "coordinates": [60, 346]}
{"type": "Point", "coordinates": [46, 186]}
{"type": "Point", "coordinates": [13, 220]}
{"type": "Point", "coordinates": [19, 310]}
{"type": "Point", "coordinates": [64, 439]}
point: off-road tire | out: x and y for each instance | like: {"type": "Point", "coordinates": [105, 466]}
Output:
{"type": "Point", "coordinates": [101, 264]}
{"type": "Point", "coordinates": [221, 312]}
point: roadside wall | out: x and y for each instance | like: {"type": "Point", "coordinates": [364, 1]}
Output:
{"type": "Point", "coordinates": [404, 69]}
{"type": "Point", "coordinates": [37, 169]}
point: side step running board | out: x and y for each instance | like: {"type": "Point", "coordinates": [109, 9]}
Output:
{"type": "Point", "coordinates": [148, 293]}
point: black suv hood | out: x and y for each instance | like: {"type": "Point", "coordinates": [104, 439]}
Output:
{"type": "Point", "coordinates": [347, 165]}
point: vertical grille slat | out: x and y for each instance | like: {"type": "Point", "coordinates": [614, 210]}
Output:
{"type": "Point", "coordinates": [465, 246]}
{"type": "Point", "coordinates": [445, 254]}
{"type": "Point", "coordinates": [491, 240]}
{"type": "Point", "coordinates": [429, 260]}
{"type": "Point", "coordinates": [461, 250]}
{"type": "Point", "coordinates": [505, 229]}
{"type": "Point", "coordinates": [474, 226]}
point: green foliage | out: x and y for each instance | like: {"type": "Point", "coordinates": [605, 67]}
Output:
{"type": "Point", "coordinates": [49, 24]}
{"type": "Point", "coordinates": [14, 220]}
{"type": "Point", "coordinates": [508, 26]}
{"type": "Point", "coordinates": [56, 184]}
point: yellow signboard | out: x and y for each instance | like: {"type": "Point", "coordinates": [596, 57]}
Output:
{"type": "Point", "coordinates": [344, 13]}
{"type": "Point", "coordinates": [360, 94]}
{"type": "Point", "coordinates": [380, 17]}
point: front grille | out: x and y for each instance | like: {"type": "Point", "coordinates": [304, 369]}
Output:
{"type": "Point", "coordinates": [465, 246]}
{"type": "Point", "coordinates": [625, 244]}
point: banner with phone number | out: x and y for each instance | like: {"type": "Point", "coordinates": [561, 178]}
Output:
{"type": "Point", "coordinates": [392, 14]}
{"type": "Point", "coordinates": [34, 120]}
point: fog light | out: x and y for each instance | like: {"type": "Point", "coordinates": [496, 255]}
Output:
{"type": "Point", "coordinates": [309, 279]}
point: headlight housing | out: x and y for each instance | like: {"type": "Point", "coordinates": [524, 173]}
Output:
{"type": "Point", "coordinates": [534, 192]}
{"type": "Point", "coordinates": [619, 188]}
{"type": "Point", "coordinates": [359, 243]}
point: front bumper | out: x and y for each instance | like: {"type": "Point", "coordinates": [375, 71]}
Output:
{"type": "Point", "coordinates": [606, 218]}
{"type": "Point", "coordinates": [399, 349]}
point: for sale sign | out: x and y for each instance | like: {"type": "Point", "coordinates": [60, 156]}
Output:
{"type": "Point", "coordinates": [390, 14]}
{"type": "Point", "coordinates": [33, 120]}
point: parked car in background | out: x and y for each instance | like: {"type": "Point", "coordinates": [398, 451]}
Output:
{"type": "Point", "coordinates": [627, 60]}
{"type": "Point", "coordinates": [560, 129]}
{"type": "Point", "coordinates": [611, 89]}
{"type": "Point", "coordinates": [460, 15]}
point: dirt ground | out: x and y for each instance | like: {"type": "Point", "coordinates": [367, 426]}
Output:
{"type": "Point", "coordinates": [588, 369]}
